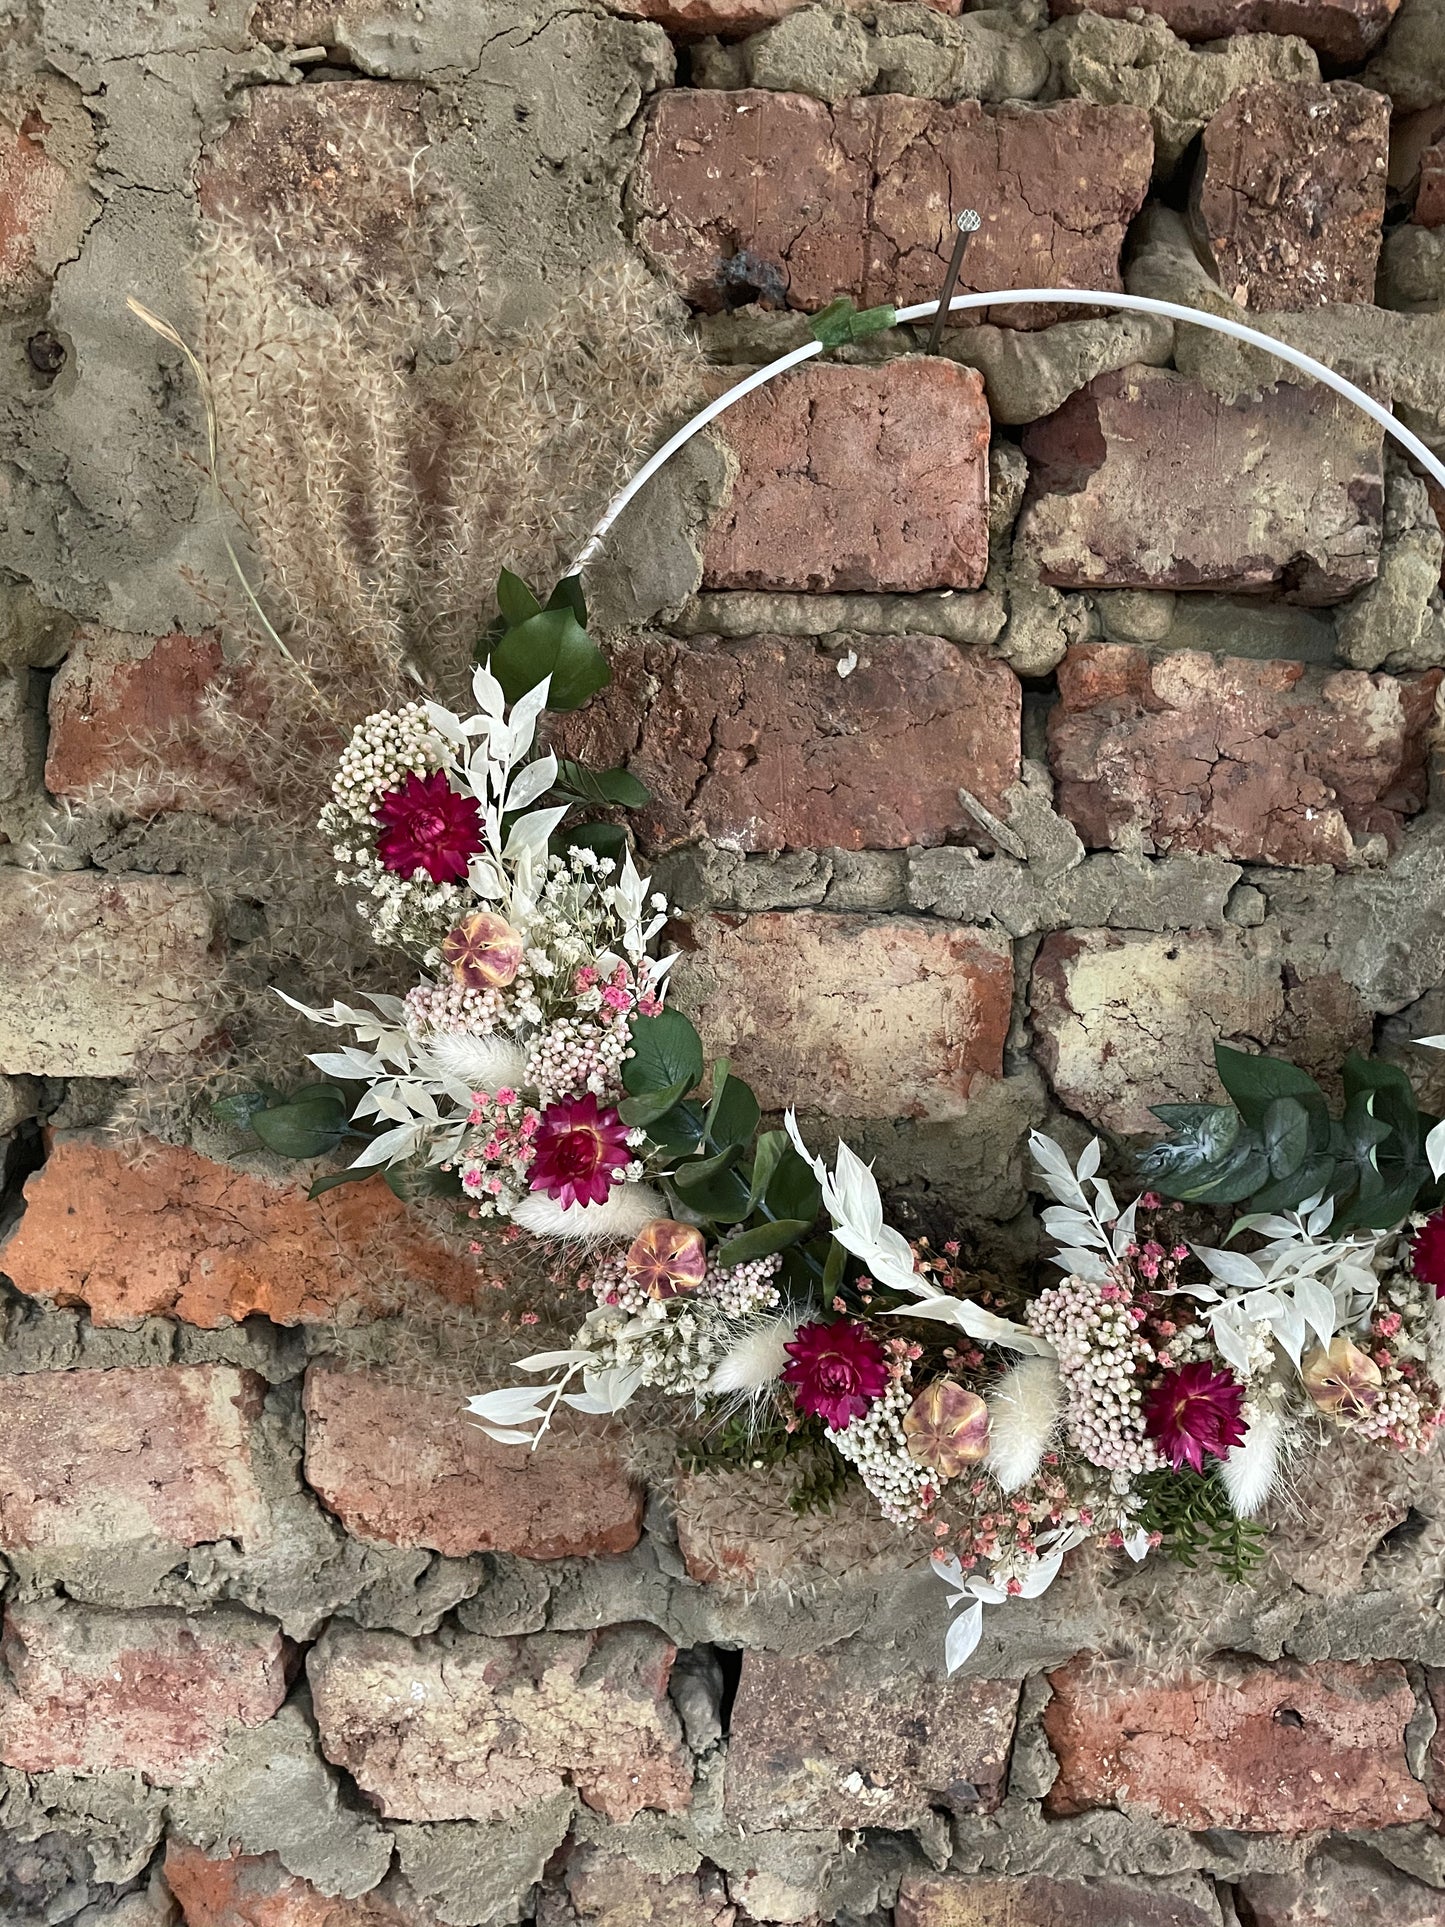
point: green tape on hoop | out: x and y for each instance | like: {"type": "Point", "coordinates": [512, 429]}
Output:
{"type": "Point", "coordinates": [840, 322]}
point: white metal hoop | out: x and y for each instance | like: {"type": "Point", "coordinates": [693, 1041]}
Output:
{"type": "Point", "coordinates": [1019, 297]}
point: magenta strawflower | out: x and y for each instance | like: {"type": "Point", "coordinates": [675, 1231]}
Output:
{"type": "Point", "coordinates": [1427, 1252]}
{"type": "Point", "coordinates": [578, 1148]}
{"type": "Point", "coordinates": [837, 1372]}
{"type": "Point", "coordinates": [1193, 1411]}
{"type": "Point", "coordinates": [427, 826]}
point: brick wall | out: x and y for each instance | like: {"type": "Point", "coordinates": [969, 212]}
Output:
{"type": "Point", "coordinates": [1020, 721]}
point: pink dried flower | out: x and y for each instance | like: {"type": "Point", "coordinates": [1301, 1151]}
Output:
{"type": "Point", "coordinates": [1427, 1252]}
{"type": "Point", "coordinates": [837, 1370]}
{"type": "Point", "coordinates": [578, 1147]}
{"type": "Point", "coordinates": [427, 826]}
{"type": "Point", "coordinates": [1193, 1411]}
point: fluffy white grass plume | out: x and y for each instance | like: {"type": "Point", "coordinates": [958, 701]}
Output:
{"type": "Point", "coordinates": [1023, 1412]}
{"type": "Point", "coordinates": [481, 1063]}
{"type": "Point", "coordinates": [1251, 1470]}
{"type": "Point", "coordinates": [627, 1210]}
{"type": "Point", "coordinates": [758, 1357]}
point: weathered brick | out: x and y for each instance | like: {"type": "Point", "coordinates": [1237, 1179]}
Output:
{"type": "Point", "coordinates": [761, 744]}
{"type": "Point", "coordinates": [1343, 30]}
{"type": "Point", "coordinates": [1123, 1021]}
{"type": "Point", "coordinates": [255, 1890]}
{"type": "Point", "coordinates": [847, 1739]}
{"type": "Point", "coordinates": [1339, 1889]}
{"type": "Point", "coordinates": [407, 1468]}
{"type": "Point", "coordinates": [1263, 761]}
{"type": "Point", "coordinates": [610, 1890]}
{"type": "Point", "coordinates": [154, 1692]}
{"type": "Point", "coordinates": [101, 1458]}
{"type": "Point", "coordinates": [793, 201]}
{"type": "Point", "coordinates": [1430, 196]}
{"type": "Point", "coordinates": [460, 1727]}
{"type": "Point", "coordinates": [47, 148]}
{"type": "Point", "coordinates": [124, 712]}
{"type": "Point", "coordinates": [857, 479]}
{"type": "Point", "coordinates": [1258, 1749]}
{"type": "Point", "coordinates": [105, 975]}
{"type": "Point", "coordinates": [728, 18]}
{"type": "Point", "coordinates": [155, 1229]}
{"type": "Point", "coordinates": [856, 1017]}
{"type": "Point", "coordinates": [1041, 1900]}
{"type": "Point", "coordinates": [736, 1529]}
{"type": "Point", "coordinates": [1147, 480]}
{"type": "Point", "coordinates": [1291, 193]}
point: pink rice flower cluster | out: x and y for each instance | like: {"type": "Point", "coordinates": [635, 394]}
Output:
{"type": "Point", "coordinates": [495, 1167]}
{"type": "Point", "coordinates": [578, 1054]}
{"type": "Point", "coordinates": [453, 1007]}
{"type": "Point", "coordinates": [1410, 1408]}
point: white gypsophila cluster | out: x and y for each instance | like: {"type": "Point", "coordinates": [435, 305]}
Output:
{"type": "Point", "coordinates": [1091, 1326]}
{"type": "Point", "coordinates": [384, 750]}
{"type": "Point", "coordinates": [412, 912]}
{"type": "Point", "coordinates": [579, 1054]}
{"type": "Point", "coordinates": [672, 1346]}
{"type": "Point", "coordinates": [876, 1446]}
{"type": "Point", "coordinates": [740, 1290]}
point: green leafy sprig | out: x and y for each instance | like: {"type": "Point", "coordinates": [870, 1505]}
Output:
{"type": "Point", "coordinates": [1198, 1526]}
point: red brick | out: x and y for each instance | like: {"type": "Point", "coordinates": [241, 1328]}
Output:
{"type": "Point", "coordinates": [157, 1229]}
{"type": "Point", "coordinates": [255, 1890]}
{"type": "Point", "coordinates": [102, 1458]}
{"type": "Point", "coordinates": [407, 1468]}
{"type": "Point", "coordinates": [796, 201]}
{"type": "Point", "coordinates": [728, 18]}
{"type": "Point", "coordinates": [1123, 1021]}
{"type": "Point", "coordinates": [1430, 197]}
{"type": "Point", "coordinates": [1262, 761]}
{"type": "Point", "coordinates": [154, 1692]}
{"type": "Point", "coordinates": [1343, 30]}
{"type": "Point", "coordinates": [857, 478]}
{"type": "Point", "coordinates": [760, 744]}
{"type": "Point", "coordinates": [1339, 1890]}
{"type": "Point", "coordinates": [1040, 1900]}
{"type": "Point", "coordinates": [46, 149]}
{"type": "Point", "coordinates": [1257, 1749]}
{"type": "Point", "coordinates": [846, 1739]}
{"type": "Point", "coordinates": [1145, 479]}
{"type": "Point", "coordinates": [105, 975]}
{"type": "Point", "coordinates": [125, 723]}
{"type": "Point", "coordinates": [1291, 193]}
{"type": "Point", "coordinates": [459, 1727]}
{"type": "Point", "coordinates": [855, 1017]}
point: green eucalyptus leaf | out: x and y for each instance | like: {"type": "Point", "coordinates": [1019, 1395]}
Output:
{"type": "Point", "coordinates": [666, 1050]}
{"type": "Point", "coordinates": [1286, 1132]}
{"type": "Point", "coordinates": [678, 1132]}
{"type": "Point", "coordinates": [762, 1240]}
{"type": "Point", "coordinates": [552, 643]}
{"type": "Point", "coordinates": [598, 787]}
{"type": "Point", "coordinates": [568, 595]}
{"type": "Point", "coordinates": [1254, 1082]}
{"type": "Point", "coordinates": [734, 1114]}
{"type": "Point", "coordinates": [1393, 1094]}
{"type": "Point", "coordinates": [1313, 1178]}
{"type": "Point", "coordinates": [698, 1171]}
{"type": "Point", "coordinates": [769, 1149]}
{"type": "Point", "coordinates": [515, 600]}
{"type": "Point", "coordinates": [833, 1269]}
{"type": "Point", "coordinates": [723, 1197]}
{"type": "Point", "coordinates": [603, 839]}
{"type": "Point", "coordinates": [353, 1174]}
{"type": "Point", "coordinates": [240, 1107]}
{"type": "Point", "coordinates": [649, 1106]}
{"type": "Point", "coordinates": [308, 1125]}
{"type": "Point", "coordinates": [793, 1190]}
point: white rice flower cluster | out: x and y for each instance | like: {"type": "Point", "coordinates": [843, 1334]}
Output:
{"type": "Point", "coordinates": [574, 1054]}
{"type": "Point", "coordinates": [740, 1290]}
{"type": "Point", "coordinates": [451, 1008]}
{"type": "Point", "coordinates": [384, 750]}
{"type": "Point", "coordinates": [674, 1345]}
{"type": "Point", "coordinates": [876, 1446]}
{"type": "Point", "coordinates": [1090, 1324]}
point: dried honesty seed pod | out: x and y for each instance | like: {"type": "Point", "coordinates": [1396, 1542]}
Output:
{"type": "Point", "coordinates": [946, 1428]}
{"type": "Point", "coordinates": [484, 951]}
{"type": "Point", "coordinates": [1341, 1378]}
{"type": "Point", "coordinates": [667, 1257]}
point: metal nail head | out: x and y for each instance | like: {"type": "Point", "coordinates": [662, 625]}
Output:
{"type": "Point", "coordinates": [968, 223]}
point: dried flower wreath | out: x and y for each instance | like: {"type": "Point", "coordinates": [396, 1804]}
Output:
{"type": "Point", "coordinates": [537, 1075]}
